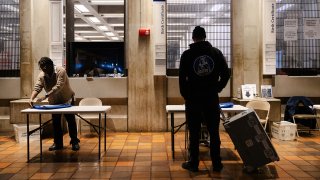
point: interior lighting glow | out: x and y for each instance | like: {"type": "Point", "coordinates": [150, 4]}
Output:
{"type": "Point", "coordinates": [109, 34]}
{"type": "Point", "coordinates": [94, 19]}
{"type": "Point", "coordinates": [81, 8]}
{"type": "Point", "coordinates": [103, 28]}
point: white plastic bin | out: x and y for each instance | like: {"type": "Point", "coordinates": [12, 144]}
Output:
{"type": "Point", "coordinates": [284, 130]}
{"type": "Point", "coordinates": [20, 131]}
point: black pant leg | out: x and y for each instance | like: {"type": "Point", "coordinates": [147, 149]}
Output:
{"type": "Point", "coordinates": [57, 129]}
{"type": "Point", "coordinates": [212, 120]}
{"type": "Point", "coordinates": [193, 117]}
{"type": "Point", "coordinates": [72, 126]}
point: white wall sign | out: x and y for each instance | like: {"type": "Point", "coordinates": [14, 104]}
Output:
{"type": "Point", "coordinates": [269, 37]}
{"type": "Point", "coordinates": [159, 24]}
{"type": "Point", "coordinates": [311, 28]}
{"type": "Point", "coordinates": [56, 32]}
{"type": "Point", "coordinates": [290, 29]}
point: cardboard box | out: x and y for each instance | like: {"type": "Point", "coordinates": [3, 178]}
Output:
{"type": "Point", "coordinates": [20, 131]}
{"type": "Point", "coordinates": [284, 130]}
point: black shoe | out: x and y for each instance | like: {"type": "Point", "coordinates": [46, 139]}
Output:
{"type": "Point", "coordinates": [217, 168]}
{"type": "Point", "coordinates": [75, 146]}
{"type": "Point", "coordinates": [189, 166]}
{"type": "Point", "coordinates": [55, 147]}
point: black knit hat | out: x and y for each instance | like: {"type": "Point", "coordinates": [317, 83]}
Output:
{"type": "Point", "coordinates": [199, 33]}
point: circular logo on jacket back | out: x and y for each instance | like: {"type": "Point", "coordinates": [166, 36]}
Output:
{"type": "Point", "coordinates": [203, 65]}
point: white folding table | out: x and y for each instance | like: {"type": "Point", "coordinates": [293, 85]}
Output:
{"type": "Point", "coordinates": [181, 108]}
{"type": "Point", "coordinates": [77, 110]}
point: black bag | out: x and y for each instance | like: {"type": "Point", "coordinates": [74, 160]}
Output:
{"type": "Point", "coordinates": [300, 105]}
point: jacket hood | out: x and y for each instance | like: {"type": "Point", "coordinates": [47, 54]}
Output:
{"type": "Point", "coordinates": [200, 44]}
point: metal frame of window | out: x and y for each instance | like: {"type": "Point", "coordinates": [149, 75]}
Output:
{"type": "Point", "coordinates": [184, 15]}
{"type": "Point", "coordinates": [302, 56]}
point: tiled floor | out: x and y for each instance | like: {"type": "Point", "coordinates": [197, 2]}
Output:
{"type": "Point", "coordinates": [148, 156]}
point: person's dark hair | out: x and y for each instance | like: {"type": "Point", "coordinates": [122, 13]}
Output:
{"type": "Point", "coordinates": [199, 33]}
{"type": "Point", "coordinates": [45, 61]}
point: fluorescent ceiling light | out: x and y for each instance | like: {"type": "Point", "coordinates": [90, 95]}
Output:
{"type": "Point", "coordinates": [179, 24]}
{"type": "Point", "coordinates": [81, 8]}
{"type": "Point", "coordinates": [118, 25]}
{"type": "Point", "coordinates": [81, 25]}
{"type": "Point", "coordinates": [187, 1]}
{"type": "Point", "coordinates": [99, 40]}
{"type": "Point", "coordinates": [113, 15]}
{"type": "Point", "coordinates": [171, 15]}
{"type": "Point", "coordinates": [94, 19]}
{"type": "Point", "coordinates": [107, 2]}
{"type": "Point", "coordinates": [114, 38]}
{"type": "Point", "coordinates": [103, 28]}
{"type": "Point", "coordinates": [176, 31]}
{"type": "Point", "coordinates": [175, 36]}
{"type": "Point", "coordinates": [94, 36]}
{"type": "Point", "coordinates": [88, 32]}
{"type": "Point", "coordinates": [78, 38]}
{"type": "Point", "coordinates": [109, 34]}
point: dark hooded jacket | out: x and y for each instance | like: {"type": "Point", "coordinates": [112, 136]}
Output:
{"type": "Point", "coordinates": [203, 72]}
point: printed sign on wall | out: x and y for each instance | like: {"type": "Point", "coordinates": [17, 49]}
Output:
{"type": "Point", "coordinates": [159, 21]}
{"type": "Point", "coordinates": [269, 37]}
{"type": "Point", "coordinates": [290, 29]}
{"type": "Point", "coordinates": [311, 28]}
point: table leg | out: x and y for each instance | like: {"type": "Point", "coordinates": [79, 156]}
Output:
{"type": "Point", "coordinates": [105, 132]}
{"type": "Point", "coordinates": [28, 145]}
{"type": "Point", "coordinates": [40, 137]}
{"type": "Point", "coordinates": [99, 153]}
{"type": "Point", "coordinates": [172, 134]}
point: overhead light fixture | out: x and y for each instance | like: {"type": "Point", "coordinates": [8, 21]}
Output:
{"type": "Point", "coordinates": [94, 19]}
{"type": "Point", "coordinates": [78, 38]}
{"type": "Point", "coordinates": [182, 15]}
{"type": "Point", "coordinates": [109, 34]}
{"type": "Point", "coordinates": [113, 15]}
{"type": "Point", "coordinates": [87, 32]}
{"type": "Point", "coordinates": [176, 31]}
{"type": "Point", "coordinates": [81, 8]}
{"type": "Point", "coordinates": [108, 2]}
{"type": "Point", "coordinates": [81, 25]}
{"type": "Point", "coordinates": [94, 36]}
{"type": "Point", "coordinates": [189, 1]}
{"type": "Point", "coordinates": [179, 24]}
{"type": "Point", "coordinates": [103, 28]}
{"type": "Point", "coordinates": [114, 38]}
{"type": "Point", "coordinates": [118, 25]}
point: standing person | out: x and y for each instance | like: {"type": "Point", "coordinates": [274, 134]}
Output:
{"type": "Point", "coordinates": [203, 73]}
{"type": "Point", "coordinates": [55, 82]}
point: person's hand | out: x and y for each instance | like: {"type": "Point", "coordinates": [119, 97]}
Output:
{"type": "Point", "coordinates": [41, 99]}
{"type": "Point", "coordinates": [31, 102]}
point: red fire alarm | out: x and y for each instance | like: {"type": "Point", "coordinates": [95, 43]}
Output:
{"type": "Point", "coordinates": [144, 32]}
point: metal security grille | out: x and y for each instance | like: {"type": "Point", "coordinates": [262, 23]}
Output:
{"type": "Point", "coordinates": [297, 52]}
{"type": "Point", "coordinates": [9, 38]}
{"type": "Point", "coordinates": [184, 15]}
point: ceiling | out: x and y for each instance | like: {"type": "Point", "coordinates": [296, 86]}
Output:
{"type": "Point", "coordinates": [99, 20]}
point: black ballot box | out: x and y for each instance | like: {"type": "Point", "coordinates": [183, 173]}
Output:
{"type": "Point", "coordinates": [250, 139]}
